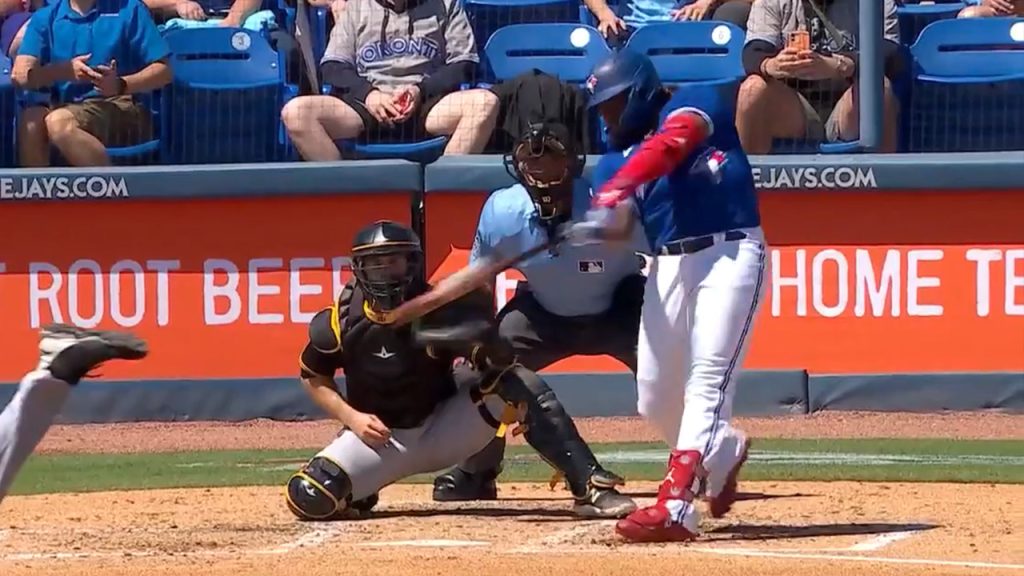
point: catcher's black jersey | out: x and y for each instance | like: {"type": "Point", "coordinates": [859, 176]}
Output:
{"type": "Point", "coordinates": [386, 373]}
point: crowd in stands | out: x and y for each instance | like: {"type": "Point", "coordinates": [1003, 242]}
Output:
{"type": "Point", "coordinates": [394, 71]}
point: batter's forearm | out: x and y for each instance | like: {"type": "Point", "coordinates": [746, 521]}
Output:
{"type": "Point", "coordinates": [661, 153]}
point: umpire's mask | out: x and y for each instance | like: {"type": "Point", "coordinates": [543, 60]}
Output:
{"type": "Point", "coordinates": [545, 162]}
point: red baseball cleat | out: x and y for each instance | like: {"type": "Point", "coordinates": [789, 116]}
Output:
{"type": "Point", "coordinates": [673, 518]}
{"type": "Point", "coordinates": [653, 524]}
{"type": "Point", "coordinates": [720, 504]}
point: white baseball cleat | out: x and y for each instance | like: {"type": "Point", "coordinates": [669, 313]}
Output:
{"type": "Point", "coordinates": [721, 486]}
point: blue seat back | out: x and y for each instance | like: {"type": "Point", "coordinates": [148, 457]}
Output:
{"type": "Point", "coordinates": [569, 51]}
{"type": "Point", "coordinates": [488, 16]}
{"type": "Point", "coordinates": [223, 57]}
{"type": "Point", "coordinates": [967, 93]}
{"type": "Point", "coordinates": [692, 51]}
{"type": "Point", "coordinates": [914, 17]}
{"type": "Point", "coordinates": [973, 49]}
{"type": "Point", "coordinates": [225, 102]}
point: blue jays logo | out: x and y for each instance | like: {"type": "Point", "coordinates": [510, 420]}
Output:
{"type": "Point", "coordinates": [710, 163]}
{"type": "Point", "coordinates": [591, 83]}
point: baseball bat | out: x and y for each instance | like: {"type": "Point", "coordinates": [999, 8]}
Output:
{"type": "Point", "coordinates": [464, 281]}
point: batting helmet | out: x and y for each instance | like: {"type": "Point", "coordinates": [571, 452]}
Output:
{"type": "Point", "coordinates": [629, 118]}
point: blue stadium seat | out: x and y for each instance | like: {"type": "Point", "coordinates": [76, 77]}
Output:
{"type": "Point", "coordinates": [968, 86]}
{"type": "Point", "coordinates": [8, 116]}
{"type": "Point", "coordinates": [914, 17]}
{"type": "Point", "coordinates": [569, 51]}
{"type": "Point", "coordinates": [226, 99]}
{"type": "Point", "coordinates": [688, 52]}
{"type": "Point", "coordinates": [488, 16]}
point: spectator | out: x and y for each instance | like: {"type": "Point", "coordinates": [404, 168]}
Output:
{"type": "Point", "coordinates": [804, 86]}
{"type": "Point", "coordinates": [98, 68]}
{"type": "Point", "coordinates": [15, 15]}
{"type": "Point", "coordinates": [396, 67]}
{"type": "Point", "coordinates": [992, 8]}
{"type": "Point", "coordinates": [637, 13]}
{"type": "Point", "coordinates": [230, 13]}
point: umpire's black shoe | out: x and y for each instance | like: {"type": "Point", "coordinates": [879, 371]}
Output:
{"type": "Point", "coordinates": [69, 352]}
{"type": "Point", "coordinates": [457, 485]}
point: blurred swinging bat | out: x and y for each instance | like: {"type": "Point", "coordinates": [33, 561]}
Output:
{"type": "Point", "coordinates": [464, 281]}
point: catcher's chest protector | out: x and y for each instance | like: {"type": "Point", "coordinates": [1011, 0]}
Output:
{"type": "Point", "coordinates": [387, 375]}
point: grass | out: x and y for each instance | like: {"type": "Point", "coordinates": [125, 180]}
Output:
{"type": "Point", "coordinates": [872, 460]}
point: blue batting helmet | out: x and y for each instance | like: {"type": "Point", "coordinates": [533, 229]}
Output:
{"type": "Point", "coordinates": [633, 73]}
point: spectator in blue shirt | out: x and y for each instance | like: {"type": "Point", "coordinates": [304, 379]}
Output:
{"type": "Point", "coordinates": [618, 24]}
{"type": "Point", "coordinates": [98, 69]}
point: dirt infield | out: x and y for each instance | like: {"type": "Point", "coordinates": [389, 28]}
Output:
{"type": "Point", "coordinates": [778, 529]}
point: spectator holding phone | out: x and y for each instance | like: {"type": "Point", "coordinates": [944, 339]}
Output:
{"type": "Point", "coordinates": [992, 8]}
{"type": "Point", "coordinates": [95, 68]}
{"type": "Point", "coordinates": [634, 14]}
{"type": "Point", "coordinates": [801, 59]}
{"type": "Point", "coordinates": [396, 67]}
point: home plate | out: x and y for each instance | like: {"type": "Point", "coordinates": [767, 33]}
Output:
{"type": "Point", "coordinates": [429, 543]}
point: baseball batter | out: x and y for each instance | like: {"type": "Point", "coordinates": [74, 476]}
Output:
{"type": "Point", "coordinates": [66, 355]}
{"type": "Point", "coordinates": [677, 163]}
{"type": "Point", "coordinates": [577, 300]}
{"type": "Point", "coordinates": [405, 410]}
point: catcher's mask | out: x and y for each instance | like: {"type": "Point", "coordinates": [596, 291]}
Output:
{"type": "Point", "coordinates": [545, 161]}
{"type": "Point", "coordinates": [387, 259]}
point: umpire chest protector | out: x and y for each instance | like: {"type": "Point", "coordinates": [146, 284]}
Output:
{"type": "Point", "coordinates": [386, 374]}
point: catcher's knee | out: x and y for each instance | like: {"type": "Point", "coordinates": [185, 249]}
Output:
{"type": "Point", "coordinates": [319, 491]}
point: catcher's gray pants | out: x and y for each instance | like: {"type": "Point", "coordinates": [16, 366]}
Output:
{"type": "Point", "coordinates": [455, 431]}
{"type": "Point", "coordinates": [26, 419]}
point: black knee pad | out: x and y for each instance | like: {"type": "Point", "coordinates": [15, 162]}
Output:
{"type": "Point", "coordinates": [319, 491]}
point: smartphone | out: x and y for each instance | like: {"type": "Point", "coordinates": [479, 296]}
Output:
{"type": "Point", "coordinates": [799, 40]}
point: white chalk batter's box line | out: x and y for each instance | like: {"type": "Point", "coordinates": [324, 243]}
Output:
{"type": "Point", "coordinates": [555, 544]}
{"type": "Point", "coordinates": [656, 456]}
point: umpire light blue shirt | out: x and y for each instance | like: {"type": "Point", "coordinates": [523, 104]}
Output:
{"type": "Point", "coordinates": [576, 280]}
{"type": "Point", "coordinates": [119, 30]}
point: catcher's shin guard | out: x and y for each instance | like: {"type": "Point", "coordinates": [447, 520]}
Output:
{"type": "Point", "coordinates": [320, 491]}
{"type": "Point", "coordinates": [552, 433]}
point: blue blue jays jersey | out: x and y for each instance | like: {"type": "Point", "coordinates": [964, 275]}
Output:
{"type": "Point", "coordinates": [710, 191]}
{"type": "Point", "coordinates": [572, 281]}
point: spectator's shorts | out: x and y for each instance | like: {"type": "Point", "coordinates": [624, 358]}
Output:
{"type": "Point", "coordinates": [412, 130]}
{"type": "Point", "coordinates": [819, 103]}
{"type": "Point", "coordinates": [116, 122]}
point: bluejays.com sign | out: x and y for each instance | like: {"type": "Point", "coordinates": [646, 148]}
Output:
{"type": "Point", "coordinates": [62, 188]}
{"type": "Point", "coordinates": [814, 177]}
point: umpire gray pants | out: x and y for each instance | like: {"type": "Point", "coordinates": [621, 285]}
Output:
{"type": "Point", "coordinates": [453, 432]}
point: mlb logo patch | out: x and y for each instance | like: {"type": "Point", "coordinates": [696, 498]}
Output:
{"type": "Point", "coordinates": [591, 83]}
{"type": "Point", "coordinates": [591, 266]}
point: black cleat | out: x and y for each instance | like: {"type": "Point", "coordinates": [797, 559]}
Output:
{"type": "Point", "coordinates": [457, 485]}
{"type": "Point", "coordinates": [69, 352]}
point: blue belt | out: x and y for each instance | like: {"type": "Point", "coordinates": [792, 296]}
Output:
{"type": "Point", "coordinates": [694, 245]}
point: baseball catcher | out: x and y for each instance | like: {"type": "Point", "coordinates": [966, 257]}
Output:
{"type": "Point", "coordinates": [405, 409]}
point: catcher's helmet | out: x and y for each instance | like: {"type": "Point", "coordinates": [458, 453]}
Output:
{"type": "Point", "coordinates": [387, 259]}
{"type": "Point", "coordinates": [630, 73]}
{"type": "Point", "coordinates": [545, 160]}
